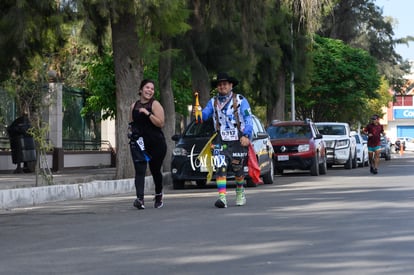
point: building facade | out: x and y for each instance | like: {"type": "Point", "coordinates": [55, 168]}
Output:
{"type": "Point", "coordinates": [399, 119]}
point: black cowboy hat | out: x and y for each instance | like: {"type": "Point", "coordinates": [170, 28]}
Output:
{"type": "Point", "coordinates": [223, 77]}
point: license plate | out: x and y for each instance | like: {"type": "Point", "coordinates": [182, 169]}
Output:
{"type": "Point", "coordinates": [282, 157]}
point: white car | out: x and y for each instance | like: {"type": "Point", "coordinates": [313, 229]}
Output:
{"type": "Point", "coordinates": [408, 143]}
{"type": "Point", "coordinates": [362, 149]}
{"type": "Point", "coordinates": [340, 145]}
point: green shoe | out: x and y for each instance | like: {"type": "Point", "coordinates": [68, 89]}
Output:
{"type": "Point", "coordinates": [240, 198]}
{"type": "Point", "coordinates": [221, 202]}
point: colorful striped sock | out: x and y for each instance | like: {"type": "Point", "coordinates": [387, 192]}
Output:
{"type": "Point", "coordinates": [221, 185]}
{"type": "Point", "coordinates": [239, 183]}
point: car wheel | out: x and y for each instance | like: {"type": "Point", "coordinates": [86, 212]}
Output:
{"type": "Point", "coordinates": [348, 164]}
{"type": "Point", "coordinates": [268, 177]}
{"type": "Point", "coordinates": [314, 171]}
{"type": "Point", "coordinates": [388, 156]}
{"type": "Point", "coordinates": [362, 163]}
{"type": "Point", "coordinates": [354, 161]}
{"type": "Point", "coordinates": [201, 183]}
{"type": "Point", "coordinates": [178, 184]}
{"type": "Point", "coordinates": [323, 168]}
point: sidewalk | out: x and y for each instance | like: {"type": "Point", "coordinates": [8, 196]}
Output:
{"type": "Point", "coordinates": [19, 190]}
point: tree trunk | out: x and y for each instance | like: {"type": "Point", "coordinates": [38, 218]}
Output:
{"type": "Point", "coordinates": [167, 99]}
{"type": "Point", "coordinates": [277, 111]}
{"type": "Point", "coordinates": [199, 78]}
{"type": "Point", "coordinates": [281, 99]}
{"type": "Point", "coordinates": [128, 75]}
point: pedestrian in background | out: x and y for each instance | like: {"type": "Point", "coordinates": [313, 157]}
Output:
{"type": "Point", "coordinates": [233, 123]}
{"type": "Point", "coordinates": [374, 130]}
{"type": "Point", "coordinates": [147, 142]}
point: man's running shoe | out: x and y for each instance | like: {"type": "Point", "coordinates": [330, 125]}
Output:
{"type": "Point", "coordinates": [240, 198]}
{"type": "Point", "coordinates": [139, 204]}
{"type": "Point", "coordinates": [221, 202]}
{"type": "Point", "coordinates": [158, 201]}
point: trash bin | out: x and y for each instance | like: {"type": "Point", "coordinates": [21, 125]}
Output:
{"type": "Point", "coordinates": [22, 144]}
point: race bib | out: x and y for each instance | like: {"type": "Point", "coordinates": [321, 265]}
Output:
{"type": "Point", "coordinates": [140, 142]}
{"type": "Point", "coordinates": [229, 135]}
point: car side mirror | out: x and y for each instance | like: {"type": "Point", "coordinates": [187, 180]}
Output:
{"type": "Point", "coordinates": [318, 136]}
{"type": "Point", "coordinates": [176, 137]}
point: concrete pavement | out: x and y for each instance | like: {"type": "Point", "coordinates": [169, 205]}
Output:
{"type": "Point", "coordinates": [20, 190]}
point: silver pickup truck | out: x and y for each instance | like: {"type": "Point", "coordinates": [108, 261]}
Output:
{"type": "Point", "coordinates": [340, 144]}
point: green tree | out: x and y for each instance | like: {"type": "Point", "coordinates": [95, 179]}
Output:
{"type": "Point", "coordinates": [139, 30]}
{"type": "Point", "coordinates": [30, 35]}
{"type": "Point", "coordinates": [360, 23]}
{"type": "Point", "coordinates": [101, 87]}
{"type": "Point", "coordinates": [342, 81]}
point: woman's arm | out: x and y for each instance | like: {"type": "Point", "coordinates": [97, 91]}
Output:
{"type": "Point", "coordinates": [157, 114]}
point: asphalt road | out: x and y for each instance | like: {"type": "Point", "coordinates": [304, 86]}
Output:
{"type": "Point", "coordinates": [345, 222]}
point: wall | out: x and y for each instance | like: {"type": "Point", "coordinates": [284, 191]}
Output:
{"type": "Point", "coordinates": [72, 159]}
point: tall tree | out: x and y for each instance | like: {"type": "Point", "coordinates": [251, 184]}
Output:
{"type": "Point", "coordinates": [343, 80]}
{"type": "Point", "coordinates": [304, 17]}
{"type": "Point", "coordinates": [360, 23]}
{"type": "Point", "coordinates": [135, 28]}
{"type": "Point", "coordinates": [121, 16]}
{"type": "Point", "coordinates": [28, 30]}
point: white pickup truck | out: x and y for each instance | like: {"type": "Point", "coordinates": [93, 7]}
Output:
{"type": "Point", "coordinates": [340, 144]}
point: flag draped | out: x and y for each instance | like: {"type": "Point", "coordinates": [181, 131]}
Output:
{"type": "Point", "coordinates": [253, 165]}
{"type": "Point", "coordinates": [206, 154]}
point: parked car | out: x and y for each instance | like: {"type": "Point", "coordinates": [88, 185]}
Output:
{"type": "Point", "coordinates": [297, 145]}
{"type": "Point", "coordinates": [362, 149]}
{"type": "Point", "coordinates": [340, 145]}
{"type": "Point", "coordinates": [385, 148]}
{"type": "Point", "coordinates": [408, 143]}
{"type": "Point", "coordinates": [184, 164]}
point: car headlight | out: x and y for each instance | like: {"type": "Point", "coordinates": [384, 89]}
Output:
{"type": "Point", "coordinates": [343, 143]}
{"type": "Point", "coordinates": [303, 148]}
{"type": "Point", "coordinates": [178, 151]}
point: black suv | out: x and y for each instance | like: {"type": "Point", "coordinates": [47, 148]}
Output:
{"type": "Point", "coordinates": [186, 167]}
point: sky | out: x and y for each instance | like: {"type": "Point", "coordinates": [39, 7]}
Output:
{"type": "Point", "coordinates": [402, 11]}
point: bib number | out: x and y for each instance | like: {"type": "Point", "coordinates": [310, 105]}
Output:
{"type": "Point", "coordinates": [229, 135]}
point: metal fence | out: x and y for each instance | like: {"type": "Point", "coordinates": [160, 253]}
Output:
{"type": "Point", "coordinates": [78, 132]}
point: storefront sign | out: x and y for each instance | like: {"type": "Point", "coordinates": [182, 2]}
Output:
{"type": "Point", "coordinates": [403, 113]}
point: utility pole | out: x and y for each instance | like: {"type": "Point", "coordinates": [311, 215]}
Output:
{"type": "Point", "coordinates": [292, 76]}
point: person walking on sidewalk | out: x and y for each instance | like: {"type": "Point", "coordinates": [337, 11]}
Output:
{"type": "Point", "coordinates": [233, 123]}
{"type": "Point", "coordinates": [147, 142]}
{"type": "Point", "coordinates": [374, 130]}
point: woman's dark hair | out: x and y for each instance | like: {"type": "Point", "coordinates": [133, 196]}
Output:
{"type": "Point", "coordinates": [145, 82]}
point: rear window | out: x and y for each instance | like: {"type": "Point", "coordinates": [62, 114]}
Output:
{"type": "Point", "coordinates": [289, 131]}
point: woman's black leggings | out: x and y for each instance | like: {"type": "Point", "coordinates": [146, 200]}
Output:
{"type": "Point", "coordinates": [155, 164]}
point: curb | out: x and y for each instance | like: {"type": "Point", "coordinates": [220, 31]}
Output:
{"type": "Point", "coordinates": [24, 197]}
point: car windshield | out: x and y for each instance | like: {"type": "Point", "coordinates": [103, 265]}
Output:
{"type": "Point", "coordinates": [335, 130]}
{"type": "Point", "coordinates": [289, 131]}
{"type": "Point", "coordinates": [205, 129]}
